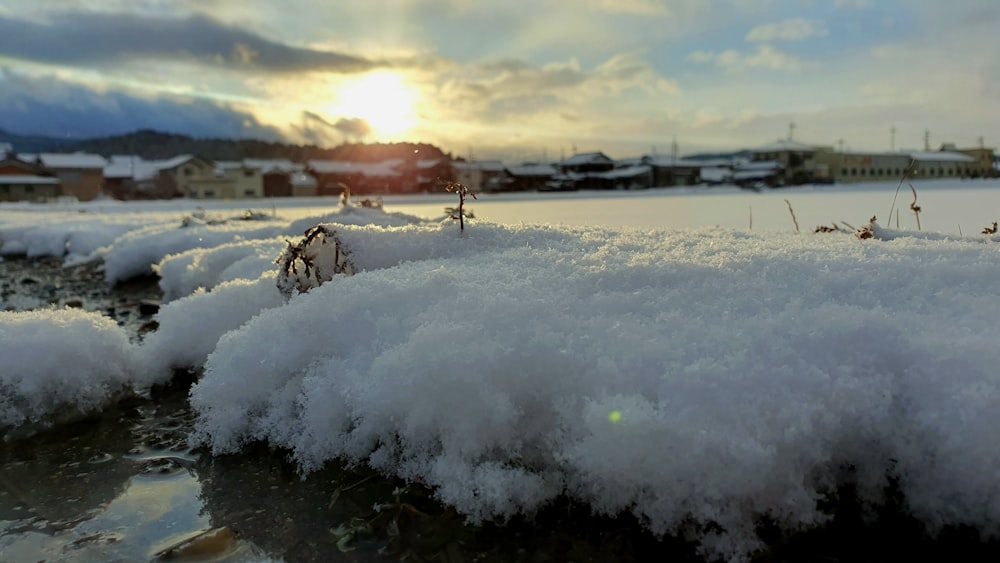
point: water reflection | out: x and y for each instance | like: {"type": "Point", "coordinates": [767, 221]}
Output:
{"type": "Point", "coordinates": [118, 487]}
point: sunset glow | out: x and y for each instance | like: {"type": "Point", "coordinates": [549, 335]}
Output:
{"type": "Point", "coordinates": [383, 99]}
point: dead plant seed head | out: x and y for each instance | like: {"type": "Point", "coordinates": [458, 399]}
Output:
{"type": "Point", "coordinates": [991, 230]}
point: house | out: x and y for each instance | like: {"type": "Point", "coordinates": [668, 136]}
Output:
{"type": "Point", "coordinates": [531, 176]}
{"type": "Point", "coordinates": [587, 162]}
{"type": "Point", "coordinates": [634, 177]}
{"type": "Point", "coordinates": [81, 175]}
{"type": "Point", "coordinates": [431, 173]}
{"type": "Point", "coordinates": [176, 177]}
{"type": "Point", "coordinates": [801, 163]}
{"type": "Point", "coordinates": [227, 180]}
{"type": "Point", "coordinates": [673, 171]}
{"type": "Point", "coordinates": [482, 175]}
{"type": "Point", "coordinates": [334, 176]}
{"type": "Point", "coordinates": [25, 181]}
{"type": "Point", "coordinates": [276, 175]}
{"type": "Point", "coordinates": [303, 184]}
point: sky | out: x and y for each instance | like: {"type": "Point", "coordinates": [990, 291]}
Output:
{"type": "Point", "coordinates": [521, 80]}
{"type": "Point", "coordinates": [703, 379]}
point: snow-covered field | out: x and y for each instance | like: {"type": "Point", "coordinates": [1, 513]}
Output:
{"type": "Point", "coordinates": [643, 351]}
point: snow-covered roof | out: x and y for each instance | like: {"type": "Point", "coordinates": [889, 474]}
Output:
{"type": "Point", "coordinates": [384, 168]}
{"type": "Point", "coordinates": [666, 161]}
{"type": "Point", "coordinates": [74, 160]}
{"type": "Point", "coordinates": [587, 158]}
{"type": "Point", "coordinates": [272, 165]}
{"type": "Point", "coordinates": [426, 163]}
{"type": "Point", "coordinates": [626, 172]}
{"type": "Point", "coordinates": [171, 163]}
{"type": "Point", "coordinates": [786, 145]}
{"type": "Point", "coordinates": [545, 170]}
{"type": "Point", "coordinates": [27, 179]}
{"type": "Point", "coordinates": [482, 165]}
{"type": "Point", "coordinates": [941, 156]}
{"type": "Point", "coordinates": [760, 165]}
{"type": "Point", "coordinates": [715, 174]}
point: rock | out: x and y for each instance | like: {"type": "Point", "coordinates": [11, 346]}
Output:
{"type": "Point", "coordinates": [74, 303]}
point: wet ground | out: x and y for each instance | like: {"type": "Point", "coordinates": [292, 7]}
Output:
{"type": "Point", "coordinates": [124, 486]}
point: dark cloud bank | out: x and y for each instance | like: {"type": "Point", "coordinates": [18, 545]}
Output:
{"type": "Point", "coordinates": [102, 39]}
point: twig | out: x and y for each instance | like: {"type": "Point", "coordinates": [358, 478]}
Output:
{"type": "Point", "coordinates": [750, 207]}
{"type": "Point", "coordinates": [906, 174]}
{"type": "Point", "coordinates": [794, 220]}
{"type": "Point", "coordinates": [914, 207]}
{"type": "Point", "coordinates": [960, 229]}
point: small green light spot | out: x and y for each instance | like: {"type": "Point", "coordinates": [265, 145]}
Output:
{"type": "Point", "coordinates": [615, 417]}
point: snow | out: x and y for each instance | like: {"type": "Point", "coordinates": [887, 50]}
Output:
{"type": "Point", "coordinates": [58, 360]}
{"type": "Point", "coordinates": [699, 374]}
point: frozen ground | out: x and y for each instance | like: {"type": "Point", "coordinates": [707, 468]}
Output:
{"type": "Point", "coordinates": [689, 373]}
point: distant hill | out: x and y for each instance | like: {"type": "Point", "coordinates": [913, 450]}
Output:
{"type": "Point", "coordinates": [36, 143]}
{"type": "Point", "coordinates": [155, 145]}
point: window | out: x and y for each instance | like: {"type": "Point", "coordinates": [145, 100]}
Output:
{"type": "Point", "coordinates": [951, 172]}
{"type": "Point", "coordinates": [854, 171]}
{"type": "Point", "coordinates": [864, 171]}
{"type": "Point", "coordinates": [29, 189]}
{"type": "Point", "coordinates": [843, 172]}
{"type": "Point", "coordinates": [881, 172]}
{"type": "Point", "coordinates": [250, 193]}
{"type": "Point", "coordinates": [208, 193]}
{"type": "Point", "coordinates": [248, 173]}
{"type": "Point", "coordinates": [188, 171]}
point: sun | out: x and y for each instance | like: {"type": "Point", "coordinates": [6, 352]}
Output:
{"type": "Point", "coordinates": [383, 99]}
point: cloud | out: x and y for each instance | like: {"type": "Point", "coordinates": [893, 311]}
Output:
{"type": "Point", "coordinates": [50, 106]}
{"type": "Point", "coordinates": [510, 89]}
{"type": "Point", "coordinates": [104, 39]}
{"type": "Point", "coordinates": [764, 57]}
{"type": "Point", "coordinates": [319, 130]}
{"type": "Point", "coordinates": [795, 29]}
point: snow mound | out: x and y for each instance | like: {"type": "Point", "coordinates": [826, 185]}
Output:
{"type": "Point", "coordinates": [708, 376]}
{"type": "Point", "coordinates": [61, 361]}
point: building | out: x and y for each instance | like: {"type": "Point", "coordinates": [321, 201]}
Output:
{"type": "Point", "coordinates": [482, 175]}
{"type": "Point", "coordinates": [333, 177]}
{"type": "Point", "coordinates": [227, 180]}
{"type": "Point", "coordinates": [801, 163]}
{"type": "Point", "coordinates": [531, 176]}
{"type": "Point", "coordinates": [177, 177]}
{"type": "Point", "coordinates": [81, 175]}
{"type": "Point", "coordinates": [585, 163]}
{"type": "Point", "coordinates": [25, 181]}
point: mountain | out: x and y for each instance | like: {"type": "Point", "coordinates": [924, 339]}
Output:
{"type": "Point", "coordinates": [36, 143]}
{"type": "Point", "coordinates": [156, 145]}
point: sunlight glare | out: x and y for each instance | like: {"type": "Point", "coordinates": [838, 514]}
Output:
{"type": "Point", "coordinates": [383, 99]}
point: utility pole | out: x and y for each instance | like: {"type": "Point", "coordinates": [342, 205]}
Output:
{"type": "Point", "coordinates": [927, 140]}
{"type": "Point", "coordinates": [840, 145]}
{"type": "Point", "coordinates": [791, 131]}
{"type": "Point", "coordinates": [674, 149]}
{"type": "Point", "coordinates": [892, 139]}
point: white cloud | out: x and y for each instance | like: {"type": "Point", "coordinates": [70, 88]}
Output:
{"type": "Point", "coordinates": [764, 57]}
{"type": "Point", "coordinates": [795, 29]}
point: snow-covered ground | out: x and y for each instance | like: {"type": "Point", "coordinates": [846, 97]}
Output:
{"type": "Point", "coordinates": [697, 371]}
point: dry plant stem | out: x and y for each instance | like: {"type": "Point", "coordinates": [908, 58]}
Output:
{"type": "Point", "coordinates": [750, 207]}
{"type": "Point", "coordinates": [794, 220]}
{"type": "Point", "coordinates": [906, 174]}
{"type": "Point", "coordinates": [914, 207]}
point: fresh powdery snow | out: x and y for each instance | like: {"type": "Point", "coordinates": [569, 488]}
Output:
{"type": "Point", "coordinates": [697, 375]}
